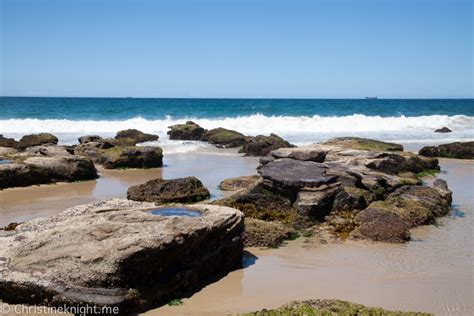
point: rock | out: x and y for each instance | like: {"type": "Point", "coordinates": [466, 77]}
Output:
{"type": "Point", "coordinates": [316, 203]}
{"type": "Point", "coordinates": [224, 138]}
{"type": "Point", "coordinates": [36, 140]}
{"type": "Point", "coordinates": [182, 190]}
{"type": "Point", "coordinates": [260, 233]}
{"type": "Point", "coordinates": [130, 157]}
{"type": "Point", "coordinates": [442, 187]}
{"type": "Point", "coordinates": [8, 142]}
{"type": "Point", "coordinates": [459, 150]}
{"type": "Point", "coordinates": [234, 184]}
{"type": "Point", "coordinates": [379, 225]}
{"type": "Point", "coordinates": [41, 170]}
{"type": "Point", "coordinates": [11, 226]}
{"type": "Point", "coordinates": [116, 253]}
{"type": "Point", "coordinates": [443, 130]}
{"type": "Point", "coordinates": [47, 151]}
{"type": "Point", "coordinates": [330, 307]}
{"type": "Point", "coordinates": [262, 145]}
{"type": "Point", "coordinates": [89, 138]}
{"type": "Point", "coordinates": [395, 163]}
{"type": "Point", "coordinates": [7, 151]}
{"type": "Point", "coordinates": [364, 144]}
{"type": "Point", "coordinates": [136, 135]}
{"type": "Point", "coordinates": [302, 153]}
{"type": "Point", "coordinates": [188, 131]}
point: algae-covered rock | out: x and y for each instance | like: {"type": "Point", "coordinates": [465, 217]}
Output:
{"type": "Point", "coordinates": [379, 225]}
{"type": "Point", "coordinates": [36, 140]}
{"type": "Point", "coordinates": [182, 190]}
{"type": "Point", "coordinates": [8, 142]}
{"type": "Point", "coordinates": [364, 144]}
{"type": "Point", "coordinates": [224, 138]}
{"type": "Point", "coordinates": [459, 150]}
{"type": "Point", "coordinates": [262, 145]}
{"type": "Point", "coordinates": [188, 131]}
{"type": "Point", "coordinates": [330, 307]}
{"type": "Point", "coordinates": [137, 135]}
{"type": "Point", "coordinates": [89, 138]}
{"type": "Point", "coordinates": [130, 157]}
{"type": "Point", "coordinates": [259, 233]}
{"type": "Point", "coordinates": [238, 183]}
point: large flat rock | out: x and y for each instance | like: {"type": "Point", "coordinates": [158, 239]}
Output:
{"type": "Point", "coordinates": [116, 253]}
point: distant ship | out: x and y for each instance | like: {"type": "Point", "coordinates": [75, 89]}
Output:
{"type": "Point", "coordinates": [371, 98]}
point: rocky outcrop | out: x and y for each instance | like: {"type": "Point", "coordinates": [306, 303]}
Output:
{"type": "Point", "coordinates": [41, 170]}
{"type": "Point", "coordinates": [238, 183]}
{"type": "Point", "coordinates": [188, 131]}
{"type": "Point", "coordinates": [443, 130]}
{"type": "Point", "coordinates": [36, 140]}
{"type": "Point", "coordinates": [182, 190]}
{"type": "Point", "coordinates": [47, 151]}
{"type": "Point", "coordinates": [136, 135]}
{"type": "Point", "coordinates": [89, 139]}
{"type": "Point", "coordinates": [130, 157]}
{"type": "Point", "coordinates": [260, 233]}
{"type": "Point", "coordinates": [364, 144]}
{"type": "Point", "coordinates": [224, 138]}
{"type": "Point", "coordinates": [116, 253]}
{"type": "Point", "coordinates": [459, 150]}
{"type": "Point", "coordinates": [8, 142]}
{"type": "Point", "coordinates": [262, 145]}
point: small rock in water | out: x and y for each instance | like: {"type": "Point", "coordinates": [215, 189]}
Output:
{"type": "Point", "coordinates": [443, 130]}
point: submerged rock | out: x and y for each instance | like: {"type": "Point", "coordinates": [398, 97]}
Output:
{"type": "Point", "coordinates": [224, 138]}
{"type": "Point", "coordinates": [443, 130]}
{"type": "Point", "coordinates": [116, 253]}
{"type": "Point", "coordinates": [262, 145]}
{"type": "Point", "coordinates": [364, 144]}
{"type": "Point", "coordinates": [188, 131]}
{"type": "Point", "coordinates": [459, 150]}
{"type": "Point", "coordinates": [238, 183]}
{"type": "Point", "coordinates": [136, 135]}
{"type": "Point", "coordinates": [182, 190]}
{"type": "Point", "coordinates": [36, 140]}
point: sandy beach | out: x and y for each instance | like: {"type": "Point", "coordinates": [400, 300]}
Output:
{"type": "Point", "coordinates": [432, 273]}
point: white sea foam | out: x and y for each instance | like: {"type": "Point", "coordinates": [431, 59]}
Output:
{"type": "Point", "coordinates": [297, 129]}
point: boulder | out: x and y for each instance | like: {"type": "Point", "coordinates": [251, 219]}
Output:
{"type": "Point", "coordinates": [89, 138]}
{"type": "Point", "coordinates": [130, 157]}
{"type": "Point", "coordinates": [379, 225]}
{"type": "Point", "coordinates": [262, 145]}
{"type": "Point", "coordinates": [224, 138]}
{"type": "Point", "coordinates": [260, 233]}
{"type": "Point", "coordinates": [8, 142]}
{"type": "Point", "coordinates": [394, 163]}
{"type": "Point", "coordinates": [36, 140]}
{"type": "Point", "coordinates": [443, 130]}
{"type": "Point", "coordinates": [116, 253]}
{"type": "Point", "coordinates": [316, 203]}
{"type": "Point", "coordinates": [136, 135]}
{"type": "Point", "coordinates": [188, 131]}
{"type": "Point", "coordinates": [300, 153]}
{"type": "Point", "coordinates": [47, 151]}
{"type": "Point", "coordinates": [459, 150]}
{"type": "Point", "coordinates": [364, 144]}
{"type": "Point", "coordinates": [238, 183]}
{"type": "Point", "coordinates": [182, 190]}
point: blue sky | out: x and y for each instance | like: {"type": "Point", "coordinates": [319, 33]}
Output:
{"type": "Point", "coordinates": [252, 49]}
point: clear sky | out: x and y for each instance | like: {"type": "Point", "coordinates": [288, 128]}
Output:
{"type": "Point", "coordinates": [254, 48]}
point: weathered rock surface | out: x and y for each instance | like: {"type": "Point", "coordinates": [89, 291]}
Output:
{"type": "Point", "coordinates": [262, 145]}
{"type": "Point", "coordinates": [89, 139]}
{"type": "Point", "coordinates": [41, 170]}
{"type": "Point", "coordinates": [36, 140]}
{"type": "Point", "coordinates": [364, 144]}
{"type": "Point", "coordinates": [459, 150]}
{"type": "Point", "coordinates": [115, 253]}
{"type": "Point", "coordinates": [224, 138]}
{"type": "Point", "coordinates": [303, 154]}
{"type": "Point", "coordinates": [238, 183]}
{"type": "Point", "coordinates": [131, 157]}
{"type": "Point", "coordinates": [8, 142]}
{"type": "Point", "coordinates": [182, 190]}
{"type": "Point", "coordinates": [188, 131]}
{"type": "Point", "coordinates": [260, 233]}
{"type": "Point", "coordinates": [47, 151]}
{"type": "Point", "coordinates": [443, 130]}
{"type": "Point", "coordinates": [136, 135]}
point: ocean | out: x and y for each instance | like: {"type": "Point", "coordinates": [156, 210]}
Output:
{"type": "Point", "coordinates": [300, 121]}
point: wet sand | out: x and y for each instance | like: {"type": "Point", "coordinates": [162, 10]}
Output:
{"type": "Point", "coordinates": [432, 273]}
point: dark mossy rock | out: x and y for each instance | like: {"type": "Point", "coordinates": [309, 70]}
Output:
{"type": "Point", "coordinates": [89, 139]}
{"type": "Point", "coordinates": [137, 135]}
{"type": "Point", "coordinates": [443, 130]}
{"type": "Point", "coordinates": [393, 163]}
{"type": "Point", "coordinates": [8, 142]}
{"type": "Point", "coordinates": [262, 145]}
{"type": "Point", "coordinates": [36, 140]}
{"type": "Point", "coordinates": [364, 144]}
{"type": "Point", "coordinates": [379, 225]}
{"type": "Point", "coordinates": [317, 203]}
{"type": "Point", "coordinates": [224, 138]}
{"type": "Point", "coordinates": [459, 150]}
{"type": "Point", "coordinates": [182, 190]}
{"type": "Point", "coordinates": [188, 131]}
{"type": "Point", "coordinates": [130, 157]}
{"type": "Point", "coordinates": [258, 233]}
{"type": "Point", "coordinates": [238, 183]}
{"type": "Point", "coordinates": [330, 307]}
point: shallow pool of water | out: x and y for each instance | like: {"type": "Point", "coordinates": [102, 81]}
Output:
{"type": "Point", "coordinates": [175, 211]}
{"type": "Point", "coordinates": [4, 162]}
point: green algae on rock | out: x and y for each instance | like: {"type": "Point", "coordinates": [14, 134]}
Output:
{"type": "Point", "coordinates": [364, 144]}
